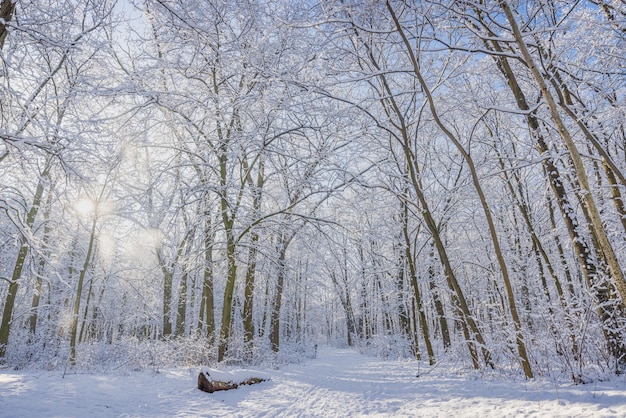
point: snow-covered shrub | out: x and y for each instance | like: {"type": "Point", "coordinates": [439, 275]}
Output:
{"type": "Point", "coordinates": [386, 346]}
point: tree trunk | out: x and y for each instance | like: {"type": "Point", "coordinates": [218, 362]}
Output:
{"type": "Point", "coordinates": [587, 196]}
{"type": "Point", "coordinates": [83, 325]}
{"type": "Point", "coordinates": [228, 220]}
{"type": "Point", "coordinates": [207, 308]}
{"type": "Point", "coordinates": [181, 314]}
{"type": "Point", "coordinates": [276, 305]}
{"type": "Point", "coordinates": [618, 199]}
{"type": "Point", "coordinates": [24, 247]}
{"type": "Point", "coordinates": [7, 7]}
{"type": "Point", "coordinates": [79, 291]}
{"type": "Point", "coordinates": [582, 249]}
{"type": "Point", "coordinates": [41, 268]}
{"type": "Point", "coordinates": [167, 298]}
{"type": "Point", "coordinates": [540, 253]}
{"type": "Point", "coordinates": [227, 307]}
{"type": "Point", "coordinates": [403, 313]}
{"type": "Point", "coordinates": [519, 337]}
{"type": "Point", "coordinates": [248, 302]}
{"type": "Point", "coordinates": [434, 291]}
{"type": "Point", "coordinates": [417, 297]}
{"type": "Point", "coordinates": [364, 327]}
{"type": "Point", "coordinates": [473, 335]}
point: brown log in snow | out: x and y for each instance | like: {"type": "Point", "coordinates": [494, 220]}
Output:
{"type": "Point", "coordinates": [207, 384]}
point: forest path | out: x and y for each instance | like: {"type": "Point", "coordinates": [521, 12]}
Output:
{"type": "Point", "coordinates": [338, 383]}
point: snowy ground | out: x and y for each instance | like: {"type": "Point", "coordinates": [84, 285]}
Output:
{"type": "Point", "coordinates": [339, 383]}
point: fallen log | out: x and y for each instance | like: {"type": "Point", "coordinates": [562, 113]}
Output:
{"type": "Point", "coordinates": [211, 380]}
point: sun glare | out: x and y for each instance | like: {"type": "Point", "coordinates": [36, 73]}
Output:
{"type": "Point", "coordinates": [107, 247]}
{"type": "Point", "coordinates": [85, 206]}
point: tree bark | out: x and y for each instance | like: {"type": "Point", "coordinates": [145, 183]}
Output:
{"type": "Point", "coordinates": [167, 297]}
{"type": "Point", "coordinates": [277, 302]}
{"type": "Point", "coordinates": [79, 291]}
{"type": "Point", "coordinates": [41, 268]}
{"type": "Point", "coordinates": [248, 301]}
{"type": "Point", "coordinates": [207, 308]}
{"type": "Point", "coordinates": [417, 296]}
{"type": "Point", "coordinates": [434, 291]}
{"type": "Point", "coordinates": [227, 307]}
{"type": "Point", "coordinates": [181, 314]}
{"type": "Point", "coordinates": [24, 247]}
{"type": "Point", "coordinates": [7, 8]}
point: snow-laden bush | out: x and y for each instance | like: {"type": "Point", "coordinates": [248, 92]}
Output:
{"type": "Point", "coordinates": [132, 354]}
{"type": "Point", "coordinates": [126, 354]}
{"type": "Point", "coordinates": [387, 347]}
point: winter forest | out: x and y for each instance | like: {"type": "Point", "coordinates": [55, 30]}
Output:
{"type": "Point", "coordinates": [196, 182]}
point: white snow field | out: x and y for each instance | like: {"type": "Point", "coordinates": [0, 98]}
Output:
{"type": "Point", "coordinates": [338, 383]}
